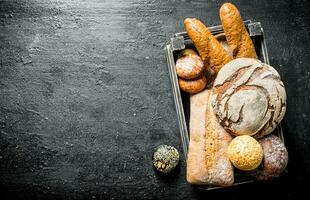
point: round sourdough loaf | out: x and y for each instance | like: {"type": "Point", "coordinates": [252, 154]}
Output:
{"type": "Point", "coordinates": [248, 97]}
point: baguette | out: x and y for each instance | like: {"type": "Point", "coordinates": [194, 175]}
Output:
{"type": "Point", "coordinates": [210, 50]}
{"type": "Point", "coordinates": [238, 38]}
{"type": "Point", "coordinates": [207, 162]}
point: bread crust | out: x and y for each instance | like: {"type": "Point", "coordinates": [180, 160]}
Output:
{"type": "Point", "coordinates": [210, 50]}
{"type": "Point", "coordinates": [237, 36]}
{"type": "Point", "coordinates": [193, 86]}
{"type": "Point", "coordinates": [249, 97]}
{"type": "Point", "coordinates": [207, 162]}
{"type": "Point", "coordinates": [221, 37]}
{"type": "Point", "coordinates": [187, 52]}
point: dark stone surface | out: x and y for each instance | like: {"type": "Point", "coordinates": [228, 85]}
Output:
{"type": "Point", "coordinates": [85, 96]}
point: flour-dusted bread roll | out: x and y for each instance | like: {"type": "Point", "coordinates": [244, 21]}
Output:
{"type": "Point", "coordinates": [207, 161]}
{"type": "Point", "coordinates": [248, 97]}
{"type": "Point", "coordinates": [189, 65]}
{"type": "Point", "coordinates": [275, 158]}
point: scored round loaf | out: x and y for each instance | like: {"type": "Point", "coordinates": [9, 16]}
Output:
{"type": "Point", "coordinates": [248, 97]}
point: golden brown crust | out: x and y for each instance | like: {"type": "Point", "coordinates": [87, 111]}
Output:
{"type": "Point", "coordinates": [237, 36]}
{"type": "Point", "coordinates": [186, 52]}
{"type": "Point", "coordinates": [210, 50]}
{"type": "Point", "coordinates": [221, 37]}
{"type": "Point", "coordinates": [216, 144]}
{"type": "Point", "coordinates": [193, 86]}
{"type": "Point", "coordinates": [245, 152]}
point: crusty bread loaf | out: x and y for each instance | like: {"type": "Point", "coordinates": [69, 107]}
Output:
{"type": "Point", "coordinates": [237, 36]}
{"type": "Point", "coordinates": [210, 50]}
{"type": "Point", "coordinates": [207, 162]}
{"type": "Point", "coordinates": [248, 97]}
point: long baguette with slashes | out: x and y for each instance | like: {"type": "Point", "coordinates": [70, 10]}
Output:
{"type": "Point", "coordinates": [237, 36]}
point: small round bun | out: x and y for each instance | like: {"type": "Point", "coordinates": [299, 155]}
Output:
{"type": "Point", "coordinates": [165, 158]}
{"type": "Point", "coordinates": [245, 153]}
{"type": "Point", "coordinates": [275, 158]}
{"type": "Point", "coordinates": [189, 65]}
{"type": "Point", "coordinates": [193, 86]}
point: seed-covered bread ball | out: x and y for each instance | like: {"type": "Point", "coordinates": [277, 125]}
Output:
{"type": "Point", "coordinates": [245, 153]}
{"type": "Point", "coordinates": [165, 158]}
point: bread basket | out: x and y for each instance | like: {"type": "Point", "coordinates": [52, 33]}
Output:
{"type": "Point", "coordinates": [181, 41]}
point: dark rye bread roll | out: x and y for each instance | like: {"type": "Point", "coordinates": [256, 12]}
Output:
{"type": "Point", "coordinates": [275, 158]}
{"type": "Point", "coordinates": [248, 97]}
{"type": "Point", "coordinates": [207, 162]}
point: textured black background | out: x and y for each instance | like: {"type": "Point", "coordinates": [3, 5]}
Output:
{"type": "Point", "coordinates": [85, 96]}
